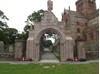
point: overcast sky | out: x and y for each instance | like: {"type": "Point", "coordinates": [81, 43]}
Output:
{"type": "Point", "coordinates": [18, 10]}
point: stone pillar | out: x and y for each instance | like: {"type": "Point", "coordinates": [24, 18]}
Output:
{"type": "Point", "coordinates": [62, 52]}
{"type": "Point", "coordinates": [29, 49]}
{"type": "Point", "coordinates": [81, 50]}
{"type": "Point", "coordinates": [32, 51]}
{"type": "Point", "coordinates": [37, 52]}
{"type": "Point", "coordinates": [19, 46]}
{"type": "Point", "coordinates": [67, 49]}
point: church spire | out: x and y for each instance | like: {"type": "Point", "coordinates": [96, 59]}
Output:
{"type": "Point", "coordinates": [50, 5]}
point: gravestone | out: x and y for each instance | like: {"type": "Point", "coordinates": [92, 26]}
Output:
{"type": "Point", "coordinates": [11, 48]}
{"type": "Point", "coordinates": [1, 47]}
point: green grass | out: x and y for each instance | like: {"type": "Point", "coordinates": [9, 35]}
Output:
{"type": "Point", "coordinates": [92, 68]}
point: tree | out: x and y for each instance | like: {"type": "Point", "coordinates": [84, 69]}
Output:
{"type": "Point", "coordinates": [21, 36]}
{"type": "Point", "coordinates": [3, 26]}
{"type": "Point", "coordinates": [3, 19]}
{"type": "Point", "coordinates": [3, 23]}
{"type": "Point", "coordinates": [26, 28]}
{"type": "Point", "coordinates": [35, 16]}
{"type": "Point", "coordinates": [24, 34]}
{"type": "Point", "coordinates": [7, 35]}
{"type": "Point", "coordinates": [11, 35]}
{"type": "Point", "coordinates": [47, 43]}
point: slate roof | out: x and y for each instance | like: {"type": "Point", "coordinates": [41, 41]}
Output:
{"type": "Point", "coordinates": [75, 13]}
{"type": "Point", "coordinates": [79, 15]}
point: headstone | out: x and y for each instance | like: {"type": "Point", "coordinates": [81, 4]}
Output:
{"type": "Point", "coordinates": [1, 46]}
{"type": "Point", "coordinates": [10, 48]}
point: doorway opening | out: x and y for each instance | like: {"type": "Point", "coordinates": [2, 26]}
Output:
{"type": "Point", "coordinates": [50, 46]}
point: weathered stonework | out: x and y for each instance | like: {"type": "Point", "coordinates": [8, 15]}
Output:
{"type": "Point", "coordinates": [78, 32]}
{"type": "Point", "coordinates": [84, 26]}
{"type": "Point", "coordinates": [86, 7]}
{"type": "Point", "coordinates": [51, 23]}
{"type": "Point", "coordinates": [81, 50]}
{"type": "Point", "coordinates": [19, 46]}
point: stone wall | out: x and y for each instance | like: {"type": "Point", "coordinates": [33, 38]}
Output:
{"type": "Point", "coordinates": [6, 52]}
{"type": "Point", "coordinates": [81, 50]}
{"type": "Point", "coordinates": [19, 47]}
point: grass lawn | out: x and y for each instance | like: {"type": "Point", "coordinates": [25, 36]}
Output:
{"type": "Point", "coordinates": [92, 68]}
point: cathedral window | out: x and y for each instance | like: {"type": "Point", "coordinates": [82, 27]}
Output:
{"type": "Point", "coordinates": [85, 24]}
{"type": "Point", "coordinates": [78, 30]}
{"type": "Point", "coordinates": [77, 23]}
{"type": "Point", "coordinates": [78, 37]}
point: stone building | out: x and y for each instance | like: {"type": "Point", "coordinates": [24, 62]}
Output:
{"type": "Point", "coordinates": [84, 25]}
{"type": "Point", "coordinates": [78, 32]}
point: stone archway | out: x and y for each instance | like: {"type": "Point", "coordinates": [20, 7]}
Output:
{"type": "Point", "coordinates": [49, 22]}
{"type": "Point", "coordinates": [38, 37]}
{"type": "Point", "coordinates": [66, 45]}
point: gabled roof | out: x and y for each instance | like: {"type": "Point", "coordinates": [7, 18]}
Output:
{"type": "Point", "coordinates": [79, 15]}
{"type": "Point", "coordinates": [75, 13]}
{"type": "Point", "coordinates": [49, 17]}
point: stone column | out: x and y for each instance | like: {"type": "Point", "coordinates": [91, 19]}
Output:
{"type": "Point", "coordinates": [81, 50]}
{"type": "Point", "coordinates": [19, 46]}
{"type": "Point", "coordinates": [32, 51]}
{"type": "Point", "coordinates": [67, 49]}
{"type": "Point", "coordinates": [29, 49]}
{"type": "Point", "coordinates": [36, 52]}
{"type": "Point", "coordinates": [62, 52]}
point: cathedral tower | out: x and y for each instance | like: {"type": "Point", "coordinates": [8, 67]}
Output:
{"type": "Point", "coordinates": [86, 7]}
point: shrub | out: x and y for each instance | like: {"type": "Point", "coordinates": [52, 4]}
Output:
{"type": "Point", "coordinates": [70, 59]}
{"type": "Point", "coordinates": [82, 59]}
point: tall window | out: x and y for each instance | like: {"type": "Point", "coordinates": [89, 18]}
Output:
{"type": "Point", "coordinates": [77, 23]}
{"type": "Point", "coordinates": [78, 30]}
{"type": "Point", "coordinates": [85, 24]}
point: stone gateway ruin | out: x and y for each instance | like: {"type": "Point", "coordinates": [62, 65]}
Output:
{"type": "Point", "coordinates": [49, 23]}
{"type": "Point", "coordinates": [74, 33]}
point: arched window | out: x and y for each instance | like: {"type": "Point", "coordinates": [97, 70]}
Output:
{"type": "Point", "coordinates": [78, 30]}
{"type": "Point", "coordinates": [78, 38]}
{"type": "Point", "coordinates": [85, 24]}
{"type": "Point", "coordinates": [77, 23]}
